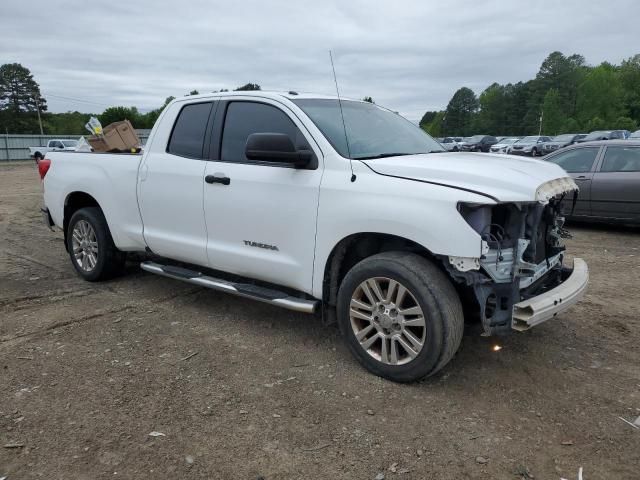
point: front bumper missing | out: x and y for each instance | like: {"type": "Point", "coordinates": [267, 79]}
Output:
{"type": "Point", "coordinates": [541, 308]}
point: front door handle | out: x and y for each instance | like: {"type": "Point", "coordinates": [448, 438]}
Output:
{"type": "Point", "coordinates": [217, 178]}
{"type": "Point", "coordinates": [582, 178]}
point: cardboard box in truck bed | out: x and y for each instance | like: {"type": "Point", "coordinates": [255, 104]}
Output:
{"type": "Point", "coordinates": [119, 136]}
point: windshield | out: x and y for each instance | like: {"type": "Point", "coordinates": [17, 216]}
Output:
{"type": "Point", "coordinates": [567, 137]}
{"type": "Point", "coordinates": [528, 139]}
{"type": "Point", "coordinates": [509, 141]}
{"type": "Point", "coordinates": [372, 131]}
{"type": "Point", "coordinates": [474, 139]}
{"type": "Point", "coordinates": [70, 143]}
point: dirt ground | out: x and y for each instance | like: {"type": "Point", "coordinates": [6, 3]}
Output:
{"type": "Point", "coordinates": [237, 389]}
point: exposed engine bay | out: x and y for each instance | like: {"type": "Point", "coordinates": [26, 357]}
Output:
{"type": "Point", "coordinates": [522, 254]}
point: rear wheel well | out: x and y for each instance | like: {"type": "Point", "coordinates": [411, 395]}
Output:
{"type": "Point", "coordinates": [74, 202]}
{"type": "Point", "coordinates": [355, 248]}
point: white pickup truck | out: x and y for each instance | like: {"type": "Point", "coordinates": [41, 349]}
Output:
{"type": "Point", "coordinates": [342, 208]}
{"type": "Point", "coordinates": [53, 145]}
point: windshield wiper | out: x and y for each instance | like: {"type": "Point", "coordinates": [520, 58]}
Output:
{"type": "Point", "coordinates": [383, 155]}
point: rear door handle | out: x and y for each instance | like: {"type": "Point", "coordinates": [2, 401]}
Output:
{"type": "Point", "coordinates": [582, 177]}
{"type": "Point", "coordinates": [217, 178]}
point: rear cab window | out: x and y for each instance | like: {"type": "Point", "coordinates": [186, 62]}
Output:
{"type": "Point", "coordinates": [189, 131]}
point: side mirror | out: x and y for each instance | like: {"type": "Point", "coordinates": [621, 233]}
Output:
{"type": "Point", "coordinates": [277, 148]}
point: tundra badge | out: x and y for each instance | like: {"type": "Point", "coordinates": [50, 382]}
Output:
{"type": "Point", "coordinates": [249, 243]}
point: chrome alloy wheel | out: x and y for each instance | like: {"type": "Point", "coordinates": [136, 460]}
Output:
{"type": "Point", "coordinates": [387, 321]}
{"type": "Point", "coordinates": [85, 245]}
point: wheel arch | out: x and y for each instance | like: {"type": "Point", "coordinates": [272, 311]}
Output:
{"type": "Point", "coordinates": [356, 247]}
{"type": "Point", "coordinates": [73, 202]}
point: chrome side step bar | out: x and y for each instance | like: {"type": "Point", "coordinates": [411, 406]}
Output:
{"type": "Point", "coordinates": [262, 294]}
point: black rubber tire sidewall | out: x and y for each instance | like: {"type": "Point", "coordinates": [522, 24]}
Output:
{"type": "Point", "coordinates": [110, 260]}
{"type": "Point", "coordinates": [417, 274]}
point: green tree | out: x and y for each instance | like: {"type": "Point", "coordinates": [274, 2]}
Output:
{"type": "Point", "coordinates": [20, 99]}
{"type": "Point", "coordinates": [368, 99]}
{"type": "Point", "coordinates": [434, 128]}
{"type": "Point", "coordinates": [596, 123]}
{"type": "Point", "coordinates": [553, 115]}
{"type": "Point", "coordinates": [427, 118]}
{"type": "Point", "coordinates": [248, 87]}
{"type": "Point", "coordinates": [117, 114]}
{"type": "Point", "coordinates": [492, 116]}
{"type": "Point", "coordinates": [516, 99]}
{"type": "Point", "coordinates": [570, 125]}
{"type": "Point", "coordinates": [563, 74]}
{"type": "Point", "coordinates": [460, 111]}
{"type": "Point", "coordinates": [68, 123]}
{"type": "Point", "coordinates": [193, 92]}
{"type": "Point", "coordinates": [630, 80]}
{"type": "Point", "coordinates": [624, 123]}
{"type": "Point", "coordinates": [601, 95]}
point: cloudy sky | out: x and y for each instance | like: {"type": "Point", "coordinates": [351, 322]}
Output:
{"type": "Point", "coordinates": [408, 55]}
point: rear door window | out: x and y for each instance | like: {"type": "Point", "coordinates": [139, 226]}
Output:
{"type": "Point", "coordinates": [189, 131]}
{"type": "Point", "coordinates": [621, 159]}
{"type": "Point", "coordinates": [578, 160]}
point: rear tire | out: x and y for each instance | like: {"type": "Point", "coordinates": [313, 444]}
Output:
{"type": "Point", "coordinates": [91, 248]}
{"type": "Point", "coordinates": [401, 337]}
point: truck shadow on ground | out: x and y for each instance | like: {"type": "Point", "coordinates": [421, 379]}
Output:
{"type": "Point", "coordinates": [300, 339]}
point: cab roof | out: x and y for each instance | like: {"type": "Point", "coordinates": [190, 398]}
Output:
{"type": "Point", "coordinates": [291, 95]}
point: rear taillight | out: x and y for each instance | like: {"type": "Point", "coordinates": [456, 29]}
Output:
{"type": "Point", "coordinates": [43, 167]}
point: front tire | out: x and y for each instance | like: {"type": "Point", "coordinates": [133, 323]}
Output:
{"type": "Point", "coordinates": [534, 152]}
{"type": "Point", "coordinates": [400, 315]}
{"type": "Point", "coordinates": [91, 248]}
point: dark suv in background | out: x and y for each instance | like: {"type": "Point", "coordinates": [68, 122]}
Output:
{"type": "Point", "coordinates": [606, 135]}
{"type": "Point", "coordinates": [561, 141]}
{"type": "Point", "coordinates": [478, 143]}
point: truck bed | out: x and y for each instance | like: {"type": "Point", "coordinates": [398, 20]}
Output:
{"type": "Point", "coordinates": [110, 178]}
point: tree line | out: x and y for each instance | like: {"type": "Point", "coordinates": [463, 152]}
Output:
{"type": "Point", "coordinates": [23, 108]}
{"type": "Point", "coordinates": [566, 96]}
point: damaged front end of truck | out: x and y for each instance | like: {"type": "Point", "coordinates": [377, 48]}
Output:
{"type": "Point", "coordinates": [520, 279]}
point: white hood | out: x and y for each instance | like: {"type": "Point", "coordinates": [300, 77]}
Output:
{"type": "Point", "coordinates": [504, 177]}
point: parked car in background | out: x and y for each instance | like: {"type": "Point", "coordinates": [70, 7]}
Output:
{"type": "Point", "coordinates": [561, 141]}
{"type": "Point", "coordinates": [635, 135]}
{"type": "Point", "coordinates": [54, 145]}
{"type": "Point", "coordinates": [608, 174]}
{"type": "Point", "coordinates": [450, 144]}
{"type": "Point", "coordinates": [531, 145]}
{"type": "Point", "coordinates": [599, 135]}
{"type": "Point", "coordinates": [478, 143]}
{"type": "Point", "coordinates": [504, 145]}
